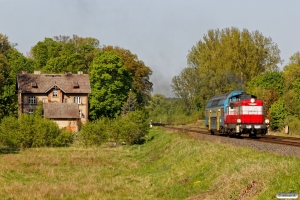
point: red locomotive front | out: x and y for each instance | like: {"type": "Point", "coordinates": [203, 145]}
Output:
{"type": "Point", "coordinates": [247, 117]}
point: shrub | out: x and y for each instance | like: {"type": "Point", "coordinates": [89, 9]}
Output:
{"type": "Point", "coordinates": [32, 131]}
{"type": "Point", "coordinates": [131, 129]}
{"type": "Point", "coordinates": [9, 132]}
{"type": "Point", "coordinates": [65, 138]}
{"type": "Point", "coordinates": [278, 113]}
{"type": "Point", "coordinates": [95, 132]}
{"type": "Point", "coordinates": [134, 127]}
{"type": "Point", "coordinates": [294, 125]}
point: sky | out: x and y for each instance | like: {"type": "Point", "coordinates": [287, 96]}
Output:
{"type": "Point", "coordinates": [160, 32]}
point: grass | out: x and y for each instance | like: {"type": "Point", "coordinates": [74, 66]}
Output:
{"type": "Point", "coordinates": [168, 166]}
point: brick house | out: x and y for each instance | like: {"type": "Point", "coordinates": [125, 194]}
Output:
{"type": "Point", "coordinates": [64, 97]}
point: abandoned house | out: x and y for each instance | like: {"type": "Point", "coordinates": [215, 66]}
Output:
{"type": "Point", "coordinates": [64, 97]}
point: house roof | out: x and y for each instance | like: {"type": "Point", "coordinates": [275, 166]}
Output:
{"type": "Point", "coordinates": [61, 110]}
{"type": "Point", "coordinates": [42, 83]}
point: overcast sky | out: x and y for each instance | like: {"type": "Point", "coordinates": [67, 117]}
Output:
{"type": "Point", "coordinates": [159, 32]}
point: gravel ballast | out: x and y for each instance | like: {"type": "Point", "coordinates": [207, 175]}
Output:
{"type": "Point", "coordinates": [280, 149]}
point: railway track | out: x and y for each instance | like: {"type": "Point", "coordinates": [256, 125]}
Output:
{"type": "Point", "coordinates": [281, 140]}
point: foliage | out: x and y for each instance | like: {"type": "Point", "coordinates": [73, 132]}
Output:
{"type": "Point", "coordinates": [141, 85]}
{"type": "Point", "coordinates": [31, 130]}
{"type": "Point", "coordinates": [110, 84]}
{"type": "Point", "coordinates": [186, 86]}
{"type": "Point", "coordinates": [65, 138]}
{"type": "Point", "coordinates": [294, 125]}
{"type": "Point", "coordinates": [278, 113]}
{"type": "Point", "coordinates": [94, 133]}
{"type": "Point", "coordinates": [9, 132]}
{"type": "Point", "coordinates": [267, 86]}
{"type": "Point", "coordinates": [11, 63]}
{"type": "Point", "coordinates": [64, 54]}
{"type": "Point", "coordinates": [131, 129]}
{"type": "Point", "coordinates": [291, 76]}
{"type": "Point", "coordinates": [130, 104]}
{"type": "Point", "coordinates": [227, 59]}
{"type": "Point", "coordinates": [170, 110]}
{"type": "Point", "coordinates": [135, 127]}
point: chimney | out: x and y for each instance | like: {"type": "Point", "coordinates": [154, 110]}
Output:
{"type": "Point", "coordinates": [37, 72]}
{"type": "Point", "coordinates": [24, 72]}
{"type": "Point", "coordinates": [79, 72]}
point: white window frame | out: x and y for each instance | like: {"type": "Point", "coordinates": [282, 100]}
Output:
{"type": "Point", "coordinates": [30, 111]}
{"type": "Point", "coordinates": [31, 100]}
{"type": "Point", "coordinates": [77, 100]}
{"type": "Point", "coordinates": [55, 93]}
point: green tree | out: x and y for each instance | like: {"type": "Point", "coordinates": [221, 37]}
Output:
{"type": "Point", "coordinates": [291, 74]}
{"type": "Point", "coordinates": [141, 85]}
{"type": "Point", "coordinates": [130, 105]}
{"type": "Point", "coordinates": [187, 86]}
{"type": "Point", "coordinates": [12, 62]}
{"type": "Point", "coordinates": [278, 113]}
{"type": "Point", "coordinates": [227, 59]}
{"type": "Point", "coordinates": [267, 86]}
{"type": "Point", "coordinates": [110, 84]}
{"type": "Point", "coordinates": [63, 53]}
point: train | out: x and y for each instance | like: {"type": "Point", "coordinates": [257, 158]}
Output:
{"type": "Point", "coordinates": [236, 113]}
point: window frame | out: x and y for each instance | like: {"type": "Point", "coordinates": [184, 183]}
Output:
{"type": "Point", "coordinates": [77, 100]}
{"type": "Point", "coordinates": [55, 93]}
{"type": "Point", "coordinates": [31, 100]}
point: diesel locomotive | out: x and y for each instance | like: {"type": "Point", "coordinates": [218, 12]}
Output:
{"type": "Point", "coordinates": [236, 113]}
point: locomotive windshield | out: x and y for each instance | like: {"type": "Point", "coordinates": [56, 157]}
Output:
{"type": "Point", "coordinates": [245, 96]}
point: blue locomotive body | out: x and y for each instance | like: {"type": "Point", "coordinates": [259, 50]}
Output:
{"type": "Point", "coordinates": [216, 107]}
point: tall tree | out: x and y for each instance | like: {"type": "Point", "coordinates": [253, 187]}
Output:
{"type": "Point", "coordinates": [227, 59]}
{"type": "Point", "coordinates": [187, 86]}
{"type": "Point", "coordinates": [12, 62]}
{"type": "Point", "coordinates": [110, 83]}
{"type": "Point", "coordinates": [291, 74]}
{"type": "Point", "coordinates": [141, 85]}
{"type": "Point", "coordinates": [130, 105]}
{"type": "Point", "coordinates": [63, 53]}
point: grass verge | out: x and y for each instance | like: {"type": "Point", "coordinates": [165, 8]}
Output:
{"type": "Point", "coordinates": [167, 166]}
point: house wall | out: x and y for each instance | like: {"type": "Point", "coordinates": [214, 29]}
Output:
{"type": "Point", "coordinates": [69, 124]}
{"type": "Point", "coordinates": [24, 105]}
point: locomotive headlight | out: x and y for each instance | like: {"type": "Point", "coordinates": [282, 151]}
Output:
{"type": "Point", "coordinates": [239, 121]}
{"type": "Point", "coordinates": [267, 121]}
{"type": "Point", "coordinates": [252, 100]}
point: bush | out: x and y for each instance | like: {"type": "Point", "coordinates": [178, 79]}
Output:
{"type": "Point", "coordinates": [32, 131]}
{"type": "Point", "coordinates": [95, 132]}
{"type": "Point", "coordinates": [134, 127]}
{"type": "Point", "coordinates": [130, 129]}
{"type": "Point", "coordinates": [65, 138]}
{"type": "Point", "coordinates": [9, 132]}
{"type": "Point", "coordinates": [278, 113]}
{"type": "Point", "coordinates": [294, 125]}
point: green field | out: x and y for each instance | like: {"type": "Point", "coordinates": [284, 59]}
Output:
{"type": "Point", "coordinates": [167, 166]}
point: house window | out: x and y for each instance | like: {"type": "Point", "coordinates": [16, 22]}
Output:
{"type": "Point", "coordinates": [30, 111]}
{"type": "Point", "coordinates": [31, 100]}
{"type": "Point", "coordinates": [55, 93]}
{"type": "Point", "coordinates": [77, 100]}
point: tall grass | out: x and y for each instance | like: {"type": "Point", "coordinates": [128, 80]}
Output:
{"type": "Point", "coordinates": [167, 166]}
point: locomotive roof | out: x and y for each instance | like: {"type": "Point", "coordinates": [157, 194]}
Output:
{"type": "Point", "coordinates": [222, 99]}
